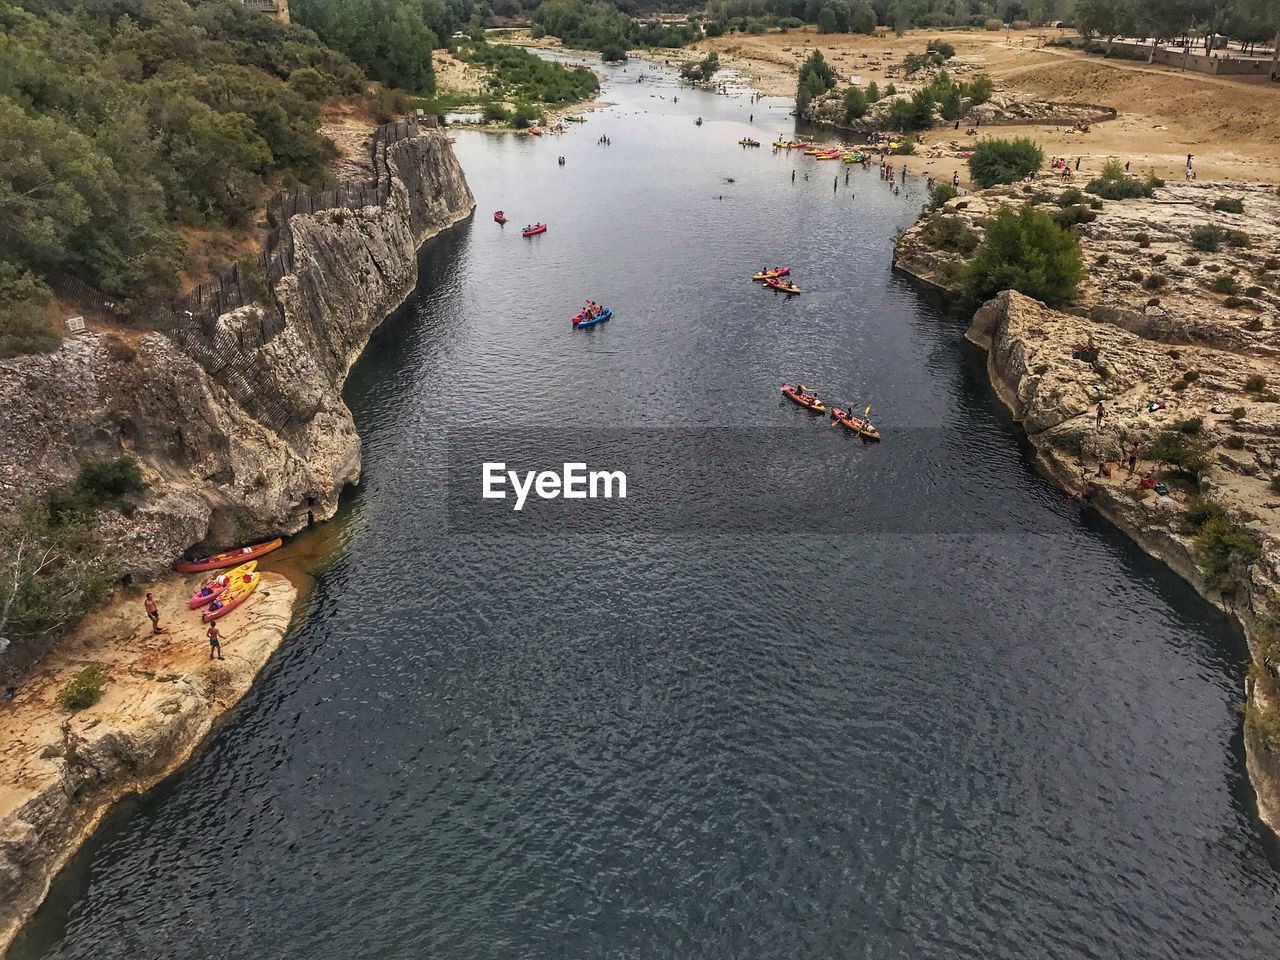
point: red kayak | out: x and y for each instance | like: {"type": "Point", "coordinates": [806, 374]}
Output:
{"type": "Point", "coordinates": [533, 231]}
{"type": "Point", "coordinates": [499, 216]}
{"type": "Point", "coordinates": [231, 558]}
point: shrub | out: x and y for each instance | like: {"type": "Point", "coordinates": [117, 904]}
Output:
{"type": "Point", "coordinates": [1070, 197]}
{"type": "Point", "coordinates": [1238, 238]}
{"type": "Point", "coordinates": [914, 112]}
{"type": "Point", "coordinates": [1224, 284]}
{"type": "Point", "coordinates": [891, 90]}
{"type": "Point", "coordinates": [1254, 325]}
{"type": "Point", "coordinates": [940, 194]}
{"type": "Point", "coordinates": [1191, 376]}
{"type": "Point", "coordinates": [525, 116]}
{"type": "Point", "coordinates": [23, 325]}
{"type": "Point", "coordinates": [873, 92]}
{"type": "Point", "coordinates": [613, 53]}
{"type": "Point", "coordinates": [1040, 369]}
{"type": "Point", "coordinates": [1103, 259]}
{"type": "Point", "coordinates": [1253, 291]}
{"type": "Point", "coordinates": [1068, 217]}
{"type": "Point", "coordinates": [1207, 238]}
{"type": "Point", "coordinates": [1262, 726]}
{"type": "Point", "coordinates": [1238, 413]}
{"type": "Point", "coordinates": [84, 689]}
{"type": "Point", "coordinates": [496, 113]}
{"type": "Point", "coordinates": [1275, 484]}
{"type": "Point", "coordinates": [941, 47]}
{"type": "Point", "coordinates": [1234, 442]}
{"type": "Point", "coordinates": [1189, 454]}
{"type": "Point", "coordinates": [1004, 161]}
{"type": "Point", "coordinates": [1271, 263]}
{"type": "Point", "coordinates": [1191, 426]}
{"type": "Point", "coordinates": [311, 83]}
{"type": "Point", "coordinates": [994, 23]}
{"type": "Point", "coordinates": [109, 480]}
{"type": "Point", "coordinates": [1026, 251]}
{"type": "Point", "coordinates": [1192, 261]}
{"type": "Point", "coordinates": [1159, 258]}
{"type": "Point", "coordinates": [1095, 204]}
{"type": "Point", "coordinates": [1142, 240]}
{"type": "Point", "coordinates": [1229, 204]}
{"type": "Point", "coordinates": [1234, 302]}
{"type": "Point", "coordinates": [1255, 383]}
{"type": "Point", "coordinates": [950, 233]}
{"type": "Point", "coordinates": [979, 89]}
{"type": "Point", "coordinates": [1114, 184]}
{"type": "Point", "coordinates": [1135, 275]}
{"type": "Point", "coordinates": [1220, 546]}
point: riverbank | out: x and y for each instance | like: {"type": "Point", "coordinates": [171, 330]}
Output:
{"type": "Point", "coordinates": [60, 771]}
{"type": "Point", "coordinates": [1167, 347]}
{"type": "Point", "coordinates": [1231, 125]}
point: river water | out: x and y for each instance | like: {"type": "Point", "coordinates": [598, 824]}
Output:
{"type": "Point", "coordinates": [797, 696]}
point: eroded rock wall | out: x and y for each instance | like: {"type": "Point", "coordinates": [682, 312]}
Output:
{"type": "Point", "coordinates": [218, 473]}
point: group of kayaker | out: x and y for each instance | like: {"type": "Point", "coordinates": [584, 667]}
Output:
{"type": "Point", "coordinates": [591, 309]}
{"type": "Point", "coordinates": [806, 398]}
{"type": "Point", "coordinates": [775, 279]}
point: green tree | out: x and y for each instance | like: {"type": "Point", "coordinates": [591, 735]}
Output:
{"type": "Point", "coordinates": [862, 18]}
{"type": "Point", "coordinates": [1004, 161]}
{"type": "Point", "coordinates": [855, 104]}
{"type": "Point", "coordinates": [1026, 251]}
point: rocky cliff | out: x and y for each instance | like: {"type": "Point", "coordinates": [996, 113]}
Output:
{"type": "Point", "coordinates": [219, 471]}
{"type": "Point", "coordinates": [1178, 344]}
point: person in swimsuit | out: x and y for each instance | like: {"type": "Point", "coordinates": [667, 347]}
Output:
{"type": "Point", "coordinates": [154, 613]}
{"type": "Point", "coordinates": [215, 645]}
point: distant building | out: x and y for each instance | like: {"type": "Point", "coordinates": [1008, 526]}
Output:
{"type": "Point", "coordinates": [277, 10]}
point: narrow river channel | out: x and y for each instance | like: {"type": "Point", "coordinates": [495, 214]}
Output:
{"type": "Point", "coordinates": [798, 696]}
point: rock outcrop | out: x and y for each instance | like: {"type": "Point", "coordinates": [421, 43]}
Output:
{"type": "Point", "coordinates": [217, 470]}
{"type": "Point", "coordinates": [1179, 346]}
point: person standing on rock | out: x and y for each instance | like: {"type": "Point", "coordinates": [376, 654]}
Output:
{"type": "Point", "coordinates": [1133, 460]}
{"type": "Point", "coordinates": [215, 642]}
{"type": "Point", "coordinates": [1100, 413]}
{"type": "Point", "coordinates": [154, 613]}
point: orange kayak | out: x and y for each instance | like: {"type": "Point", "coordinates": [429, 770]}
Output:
{"type": "Point", "coordinates": [230, 558]}
{"type": "Point", "coordinates": [236, 593]}
{"type": "Point", "coordinates": [807, 400]}
{"type": "Point", "coordinates": [864, 428]}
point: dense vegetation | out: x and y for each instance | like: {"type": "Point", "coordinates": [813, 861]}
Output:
{"type": "Point", "coordinates": [517, 75]}
{"type": "Point", "coordinates": [123, 119]}
{"type": "Point", "coordinates": [1004, 161]}
{"type": "Point", "coordinates": [1248, 21]}
{"type": "Point", "coordinates": [1114, 184]}
{"type": "Point", "coordinates": [390, 39]}
{"type": "Point", "coordinates": [600, 25]}
{"type": "Point", "coordinates": [1026, 251]}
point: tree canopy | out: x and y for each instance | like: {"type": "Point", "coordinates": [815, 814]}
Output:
{"type": "Point", "coordinates": [124, 119]}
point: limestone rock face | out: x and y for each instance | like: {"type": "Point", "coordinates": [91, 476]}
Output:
{"type": "Point", "coordinates": [220, 470]}
{"type": "Point", "coordinates": [1160, 329]}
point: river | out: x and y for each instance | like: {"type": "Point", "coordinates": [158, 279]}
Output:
{"type": "Point", "coordinates": [797, 696]}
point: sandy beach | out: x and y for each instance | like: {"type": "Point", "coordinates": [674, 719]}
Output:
{"type": "Point", "coordinates": [1231, 125]}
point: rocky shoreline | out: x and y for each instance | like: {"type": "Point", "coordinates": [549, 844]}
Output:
{"type": "Point", "coordinates": [61, 771]}
{"type": "Point", "coordinates": [1181, 347]}
{"type": "Point", "coordinates": [217, 473]}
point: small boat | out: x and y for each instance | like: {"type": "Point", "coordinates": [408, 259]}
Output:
{"type": "Point", "coordinates": [829, 155]}
{"type": "Point", "coordinates": [782, 144]}
{"type": "Point", "coordinates": [210, 590]}
{"type": "Point", "coordinates": [782, 285]}
{"type": "Point", "coordinates": [576, 119]}
{"type": "Point", "coordinates": [773, 274]}
{"type": "Point", "coordinates": [535, 132]}
{"type": "Point", "coordinates": [499, 216]}
{"type": "Point", "coordinates": [582, 321]}
{"type": "Point", "coordinates": [533, 231]}
{"type": "Point", "coordinates": [230, 558]}
{"type": "Point", "coordinates": [799, 144]}
{"type": "Point", "coordinates": [813, 151]}
{"type": "Point", "coordinates": [860, 426]}
{"type": "Point", "coordinates": [236, 593]}
{"type": "Point", "coordinates": [698, 122]}
{"type": "Point", "coordinates": [748, 142]}
{"type": "Point", "coordinates": [808, 401]}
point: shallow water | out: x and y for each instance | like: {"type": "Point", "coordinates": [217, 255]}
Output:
{"type": "Point", "coordinates": [914, 705]}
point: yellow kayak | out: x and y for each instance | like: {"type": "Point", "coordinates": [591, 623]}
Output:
{"type": "Point", "coordinates": [235, 594]}
{"type": "Point", "coordinates": [210, 589]}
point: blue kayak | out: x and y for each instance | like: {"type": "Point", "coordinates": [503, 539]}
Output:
{"type": "Point", "coordinates": [594, 320]}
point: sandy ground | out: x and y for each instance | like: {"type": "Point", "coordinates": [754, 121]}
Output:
{"type": "Point", "coordinates": [1232, 126]}
{"type": "Point", "coordinates": [143, 668]}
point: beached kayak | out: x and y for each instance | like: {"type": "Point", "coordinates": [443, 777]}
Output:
{"type": "Point", "coordinates": [846, 418]}
{"type": "Point", "coordinates": [236, 593]}
{"type": "Point", "coordinates": [808, 401]}
{"type": "Point", "coordinates": [533, 231]}
{"type": "Point", "coordinates": [230, 558]}
{"type": "Point", "coordinates": [773, 274]}
{"type": "Point", "coordinates": [211, 589]}
{"type": "Point", "coordinates": [582, 320]}
{"type": "Point", "coordinates": [781, 285]}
